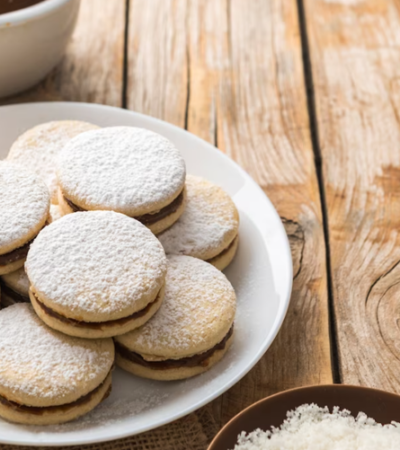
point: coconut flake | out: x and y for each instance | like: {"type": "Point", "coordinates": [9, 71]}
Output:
{"type": "Point", "coordinates": [312, 427]}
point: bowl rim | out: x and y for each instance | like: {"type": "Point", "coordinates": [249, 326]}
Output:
{"type": "Point", "coordinates": [33, 12]}
{"type": "Point", "coordinates": [289, 391]}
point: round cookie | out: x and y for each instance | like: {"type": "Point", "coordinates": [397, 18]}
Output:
{"type": "Point", "coordinates": [125, 169]}
{"type": "Point", "coordinates": [192, 330]}
{"type": "Point", "coordinates": [47, 377]}
{"type": "Point", "coordinates": [15, 288]}
{"type": "Point", "coordinates": [96, 274]}
{"type": "Point", "coordinates": [208, 228]}
{"type": "Point", "coordinates": [24, 206]}
{"type": "Point", "coordinates": [37, 148]}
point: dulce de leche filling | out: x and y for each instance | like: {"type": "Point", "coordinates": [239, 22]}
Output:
{"type": "Point", "coordinates": [15, 255]}
{"type": "Point", "coordinates": [38, 411]}
{"type": "Point", "coordinates": [95, 325]}
{"type": "Point", "coordinates": [145, 219]}
{"type": "Point", "coordinates": [201, 359]}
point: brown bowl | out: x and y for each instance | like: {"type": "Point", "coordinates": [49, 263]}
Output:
{"type": "Point", "coordinates": [382, 406]}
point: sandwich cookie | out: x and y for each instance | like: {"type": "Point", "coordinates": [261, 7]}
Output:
{"type": "Point", "coordinates": [24, 206]}
{"type": "Point", "coordinates": [96, 274]}
{"type": "Point", "coordinates": [38, 148]}
{"type": "Point", "coordinates": [124, 169]}
{"type": "Point", "coordinates": [15, 288]}
{"type": "Point", "coordinates": [208, 229]}
{"type": "Point", "coordinates": [47, 377]}
{"type": "Point", "coordinates": [192, 330]}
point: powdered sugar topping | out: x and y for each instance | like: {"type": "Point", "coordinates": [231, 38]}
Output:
{"type": "Point", "coordinates": [24, 202]}
{"type": "Point", "coordinates": [199, 302]}
{"type": "Point", "coordinates": [126, 169]}
{"type": "Point", "coordinates": [209, 221]}
{"type": "Point", "coordinates": [38, 148]}
{"type": "Point", "coordinates": [100, 263]}
{"type": "Point", "coordinates": [40, 364]}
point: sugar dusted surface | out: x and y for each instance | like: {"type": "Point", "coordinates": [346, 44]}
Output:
{"type": "Point", "coordinates": [112, 412]}
{"type": "Point", "coordinates": [24, 202]}
{"type": "Point", "coordinates": [312, 427]}
{"type": "Point", "coordinates": [37, 148]}
{"type": "Point", "coordinates": [126, 169]}
{"type": "Point", "coordinates": [208, 221]}
{"type": "Point", "coordinates": [41, 364]}
{"type": "Point", "coordinates": [98, 262]}
{"type": "Point", "coordinates": [199, 303]}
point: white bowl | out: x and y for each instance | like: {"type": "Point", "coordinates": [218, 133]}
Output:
{"type": "Point", "coordinates": [32, 42]}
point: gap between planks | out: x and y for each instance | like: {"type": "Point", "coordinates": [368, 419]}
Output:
{"type": "Point", "coordinates": [309, 88]}
{"type": "Point", "coordinates": [124, 91]}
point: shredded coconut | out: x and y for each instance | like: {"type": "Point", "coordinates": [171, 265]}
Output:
{"type": "Point", "coordinates": [311, 427]}
{"type": "Point", "coordinates": [126, 169]}
{"type": "Point", "coordinates": [41, 363]}
{"type": "Point", "coordinates": [198, 300]}
{"type": "Point", "coordinates": [98, 261]}
{"type": "Point", "coordinates": [38, 148]}
{"type": "Point", "coordinates": [24, 201]}
{"type": "Point", "coordinates": [209, 221]}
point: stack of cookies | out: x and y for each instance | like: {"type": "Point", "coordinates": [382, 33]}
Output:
{"type": "Point", "coordinates": [108, 252]}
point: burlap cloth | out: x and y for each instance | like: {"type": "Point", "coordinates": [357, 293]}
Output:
{"type": "Point", "coordinates": [193, 432]}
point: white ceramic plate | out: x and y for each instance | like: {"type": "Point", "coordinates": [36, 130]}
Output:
{"type": "Point", "coordinates": [261, 275]}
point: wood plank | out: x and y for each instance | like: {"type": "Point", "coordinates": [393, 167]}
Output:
{"type": "Point", "coordinates": [355, 48]}
{"type": "Point", "coordinates": [239, 70]}
{"type": "Point", "coordinates": [92, 68]}
{"type": "Point", "coordinates": [263, 125]}
{"type": "Point", "coordinates": [157, 59]}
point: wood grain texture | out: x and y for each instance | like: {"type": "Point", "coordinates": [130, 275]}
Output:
{"type": "Point", "coordinates": [262, 123]}
{"type": "Point", "coordinates": [355, 49]}
{"type": "Point", "coordinates": [92, 68]}
{"type": "Point", "coordinates": [157, 59]}
{"type": "Point", "coordinates": [239, 72]}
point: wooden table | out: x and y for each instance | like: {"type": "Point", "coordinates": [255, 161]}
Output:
{"type": "Point", "coordinates": [305, 96]}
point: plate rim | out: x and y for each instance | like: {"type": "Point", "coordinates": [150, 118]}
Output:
{"type": "Point", "coordinates": [282, 309]}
